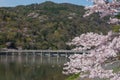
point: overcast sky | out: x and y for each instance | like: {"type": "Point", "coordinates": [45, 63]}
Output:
{"type": "Point", "coordinates": [9, 3]}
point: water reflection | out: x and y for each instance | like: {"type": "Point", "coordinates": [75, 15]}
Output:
{"type": "Point", "coordinates": [31, 68]}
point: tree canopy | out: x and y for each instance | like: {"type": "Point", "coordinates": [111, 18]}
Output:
{"type": "Point", "coordinates": [47, 25]}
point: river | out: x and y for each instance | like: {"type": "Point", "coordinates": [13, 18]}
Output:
{"type": "Point", "coordinates": [31, 68]}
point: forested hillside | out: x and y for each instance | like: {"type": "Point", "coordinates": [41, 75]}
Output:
{"type": "Point", "coordinates": [46, 26]}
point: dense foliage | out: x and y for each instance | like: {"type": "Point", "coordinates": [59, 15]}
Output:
{"type": "Point", "coordinates": [47, 25]}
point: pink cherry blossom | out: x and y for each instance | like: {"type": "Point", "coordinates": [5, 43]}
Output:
{"type": "Point", "coordinates": [100, 48]}
{"type": "Point", "coordinates": [104, 8]}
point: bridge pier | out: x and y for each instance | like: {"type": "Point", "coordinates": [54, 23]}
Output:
{"type": "Point", "coordinates": [19, 59]}
{"type": "Point", "coordinates": [26, 58]}
{"type": "Point", "coordinates": [6, 58]}
{"type": "Point", "coordinates": [13, 56]}
{"type": "Point", "coordinates": [41, 56]}
{"type": "Point", "coordinates": [1, 57]}
{"type": "Point", "coordinates": [49, 55]}
{"type": "Point", "coordinates": [33, 58]}
{"type": "Point", "coordinates": [57, 57]}
{"type": "Point", "coordinates": [66, 54]}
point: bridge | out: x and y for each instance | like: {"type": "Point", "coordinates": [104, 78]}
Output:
{"type": "Point", "coordinates": [35, 54]}
{"type": "Point", "coordinates": [57, 53]}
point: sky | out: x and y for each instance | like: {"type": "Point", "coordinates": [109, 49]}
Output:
{"type": "Point", "coordinates": [12, 3]}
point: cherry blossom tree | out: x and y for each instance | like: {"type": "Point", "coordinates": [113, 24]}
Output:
{"type": "Point", "coordinates": [104, 8]}
{"type": "Point", "coordinates": [100, 49]}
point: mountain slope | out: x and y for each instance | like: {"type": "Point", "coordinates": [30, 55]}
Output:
{"type": "Point", "coordinates": [47, 25]}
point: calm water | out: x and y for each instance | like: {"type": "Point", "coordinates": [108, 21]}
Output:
{"type": "Point", "coordinates": [31, 68]}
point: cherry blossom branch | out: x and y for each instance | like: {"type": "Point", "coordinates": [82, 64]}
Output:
{"type": "Point", "coordinates": [104, 8]}
{"type": "Point", "coordinates": [101, 48]}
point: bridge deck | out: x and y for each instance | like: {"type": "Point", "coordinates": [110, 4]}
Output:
{"type": "Point", "coordinates": [43, 51]}
{"type": "Point", "coordinates": [57, 53]}
{"type": "Point", "coordinates": [19, 54]}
